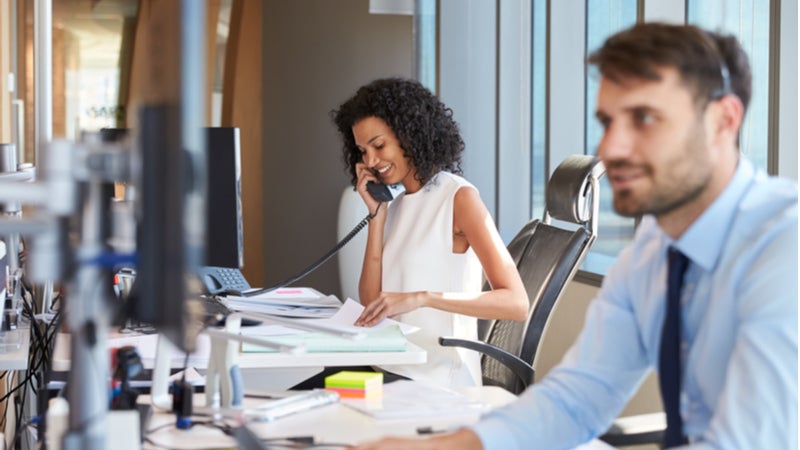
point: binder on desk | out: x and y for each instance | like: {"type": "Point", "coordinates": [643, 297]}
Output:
{"type": "Point", "coordinates": [386, 339]}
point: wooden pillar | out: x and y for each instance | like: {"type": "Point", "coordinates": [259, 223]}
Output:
{"type": "Point", "coordinates": [155, 60]}
{"type": "Point", "coordinates": [25, 73]}
{"type": "Point", "coordinates": [242, 107]}
{"type": "Point", "coordinates": [212, 18]}
{"type": "Point", "coordinates": [5, 69]}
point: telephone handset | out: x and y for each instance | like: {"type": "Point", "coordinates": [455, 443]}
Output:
{"type": "Point", "coordinates": [379, 191]}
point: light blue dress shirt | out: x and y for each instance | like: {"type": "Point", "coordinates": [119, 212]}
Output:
{"type": "Point", "coordinates": [739, 333]}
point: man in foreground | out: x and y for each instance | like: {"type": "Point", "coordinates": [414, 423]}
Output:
{"type": "Point", "coordinates": [706, 294]}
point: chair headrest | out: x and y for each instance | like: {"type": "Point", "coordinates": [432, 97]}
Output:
{"type": "Point", "coordinates": [569, 192]}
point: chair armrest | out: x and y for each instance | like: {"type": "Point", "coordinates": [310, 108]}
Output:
{"type": "Point", "coordinates": [514, 363]}
{"type": "Point", "coordinates": [636, 430]}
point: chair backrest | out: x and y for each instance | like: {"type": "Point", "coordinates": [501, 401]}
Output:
{"type": "Point", "coordinates": [547, 255]}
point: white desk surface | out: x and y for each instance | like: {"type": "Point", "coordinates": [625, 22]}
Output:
{"type": "Point", "coordinates": [16, 358]}
{"type": "Point", "coordinates": [332, 424]}
{"type": "Point", "coordinates": [147, 343]}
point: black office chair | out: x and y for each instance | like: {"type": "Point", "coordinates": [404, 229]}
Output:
{"type": "Point", "coordinates": [547, 255]}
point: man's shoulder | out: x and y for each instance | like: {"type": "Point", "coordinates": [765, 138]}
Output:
{"type": "Point", "coordinates": [769, 202]}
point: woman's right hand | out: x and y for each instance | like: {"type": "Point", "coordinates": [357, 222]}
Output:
{"type": "Point", "coordinates": [364, 175]}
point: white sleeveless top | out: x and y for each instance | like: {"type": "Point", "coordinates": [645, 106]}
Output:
{"type": "Point", "coordinates": [418, 256]}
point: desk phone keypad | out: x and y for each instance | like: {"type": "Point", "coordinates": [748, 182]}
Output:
{"type": "Point", "coordinates": [223, 280]}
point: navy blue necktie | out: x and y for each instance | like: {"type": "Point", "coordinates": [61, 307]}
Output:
{"type": "Point", "coordinates": [669, 360]}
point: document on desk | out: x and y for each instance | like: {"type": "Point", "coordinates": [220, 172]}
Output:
{"type": "Point", "coordinates": [287, 302]}
{"type": "Point", "coordinates": [386, 336]}
{"type": "Point", "coordinates": [405, 399]}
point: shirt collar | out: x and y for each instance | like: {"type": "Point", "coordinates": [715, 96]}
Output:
{"type": "Point", "coordinates": [703, 241]}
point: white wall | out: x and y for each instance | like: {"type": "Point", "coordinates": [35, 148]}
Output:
{"type": "Point", "coordinates": [316, 54]}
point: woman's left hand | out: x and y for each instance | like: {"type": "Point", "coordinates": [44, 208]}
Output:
{"type": "Point", "coordinates": [389, 304]}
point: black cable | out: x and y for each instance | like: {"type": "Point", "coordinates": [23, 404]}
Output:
{"type": "Point", "coordinates": [38, 358]}
{"type": "Point", "coordinates": [320, 261]}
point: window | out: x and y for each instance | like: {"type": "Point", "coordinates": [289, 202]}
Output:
{"type": "Point", "coordinates": [538, 107]}
{"type": "Point", "coordinates": [88, 50]}
{"type": "Point", "coordinates": [604, 18]}
{"type": "Point", "coordinates": [748, 20]}
{"type": "Point", "coordinates": [481, 68]}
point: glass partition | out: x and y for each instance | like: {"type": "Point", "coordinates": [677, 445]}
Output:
{"type": "Point", "coordinates": [604, 18]}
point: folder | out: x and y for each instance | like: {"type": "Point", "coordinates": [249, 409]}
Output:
{"type": "Point", "coordinates": [386, 339]}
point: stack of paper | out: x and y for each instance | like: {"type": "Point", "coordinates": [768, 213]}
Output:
{"type": "Point", "coordinates": [387, 336]}
{"type": "Point", "coordinates": [288, 302]}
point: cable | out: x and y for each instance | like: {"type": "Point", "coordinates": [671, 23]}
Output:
{"type": "Point", "coordinates": [320, 261]}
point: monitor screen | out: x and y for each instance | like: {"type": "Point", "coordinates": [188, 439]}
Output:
{"type": "Point", "coordinates": [158, 293]}
{"type": "Point", "coordinates": [224, 237]}
{"type": "Point", "coordinates": [163, 257]}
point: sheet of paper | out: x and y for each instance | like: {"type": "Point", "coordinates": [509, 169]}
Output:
{"type": "Point", "coordinates": [405, 399]}
{"type": "Point", "coordinates": [351, 310]}
{"type": "Point", "coordinates": [342, 321]}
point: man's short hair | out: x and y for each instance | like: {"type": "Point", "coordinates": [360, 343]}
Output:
{"type": "Point", "coordinates": [702, 58]}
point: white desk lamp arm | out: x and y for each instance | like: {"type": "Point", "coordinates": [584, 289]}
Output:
{"type": "Point", "coordinates": [224, 352]}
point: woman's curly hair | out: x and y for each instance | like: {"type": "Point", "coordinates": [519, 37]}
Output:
{"type": "Point", "coordinates": [424, 126]}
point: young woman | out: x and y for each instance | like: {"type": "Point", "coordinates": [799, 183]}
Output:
{"type": "Point", "coordinates": [427, 249]}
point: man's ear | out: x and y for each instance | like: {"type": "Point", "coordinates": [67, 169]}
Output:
{"type": "Point", "coordinates": [728, 113]}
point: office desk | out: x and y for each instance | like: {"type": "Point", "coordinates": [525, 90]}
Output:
{"type": "Point", "coordinates": [146, 343]}
{"type": "Point", "coordinates": [16, 357]}
{"type": "Point", "coordinates": [332, 424]}
{"type": "Point", "coordinates": [261, 371]}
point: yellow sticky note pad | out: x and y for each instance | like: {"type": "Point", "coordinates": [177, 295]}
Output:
{"type": "Point", "coordinates": [355, 384]}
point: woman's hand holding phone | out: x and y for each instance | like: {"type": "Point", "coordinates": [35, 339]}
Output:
{"type": "Point", "coordinates": [366, 175]}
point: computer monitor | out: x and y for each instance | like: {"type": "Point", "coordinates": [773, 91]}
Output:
{"type": "Point", "coordinates": [224, 244]}
{"type": "Point", "coordinates": [159, 292]}
{"type": "Point", "coordinates": [224, 237]}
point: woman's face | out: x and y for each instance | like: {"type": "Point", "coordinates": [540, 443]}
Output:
{"type": "Point", "coordinates": [381, 153]}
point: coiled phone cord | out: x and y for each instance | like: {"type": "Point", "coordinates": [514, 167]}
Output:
{"type": "Point", "coordinates": [320, 261]}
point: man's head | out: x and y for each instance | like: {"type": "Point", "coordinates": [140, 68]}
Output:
{"type": "Point", "coordinates": [702, 58]}
{"type": "Point", "coordinates": [671, 102]}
